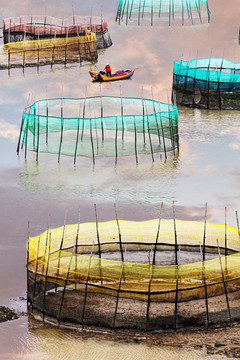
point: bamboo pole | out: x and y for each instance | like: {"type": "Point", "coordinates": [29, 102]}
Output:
{"type": "Point", "coordinates": [149, 293]}
{"type": "Point", "coordinates": [208, 12]}
{"type": "Point", "coordinates": [61, 136]}
{"type": "Point", "coordinates": [118, 293]}
{"type": "Point", "coordinates": [238, 225]}
{"type": "Point", "coordinates": [46, 121]}
{"type": "Point", "coordinates": [160, 7]}
{"type": "Point", "coordinates": [226, 252]}
{"type": "Point", "coordinates": [169, 13]}
{"type": "Point", "coordinates": [151, 12]}
{"type": "Point", "coordinates": [135, 139]}
{"type": "Point", "coordinates": [119, 233]}
{"type": "Point", "coordinates": [199, 11]}
{"type": "Point", "coordinates": [45, 278]}
{"type": "Point", "coordinates": [225, 286]}
{"type": "Point", "coordinates": [26, 137]}
{"type": "Point", "coordinates": [102, 116]}
{"type": "Point", "coordinates": [154, 110]}
{"type": "Point", "coordinates": [182, 13]}
{"type": "Point", "coordinates": [163, 136]}
{"type": "Point", "coordinates": [116, 138]}
{"type": "Point", "coordinates": [130, 13]}
{"type": "Point", "coordinates": [77, 137]}
{"type": "Point", "coordinates": [64, 290]}
{"type": "Point", "coordinates": [190, 10]}
{"type": "Point", "coordinates": [38, 130]}
{"type": "Point", "coordinates": [149, 135]}
{"type": "Point", "coordinates": [35, 275]}
{"type": "Point", "coordinates": [122, 113]}
{"type": "Point", "coordinates": [204, 233]}
{"type": "Point", "coordinates": [97, 231]}
{"type": "Point", "coordinates": [86, 286]}
{"type": "Point", "coordinates": [20, 135]}
{"type": "Point", "coordinates": [91, 136]}
{"type": "Point", "coordinates": [143, 8]}
{"type": "Point", "coordinates": [175, 235]}
{"type": "Point", "coordinates": [157, 237]}
{"type": "Point", "coordinates": [204, 281]}
{"type": "Point", "coordinates": [52, 62]}
{"type": "Point", "coordinates": [9, 62]}
{"type": "Point", "coordinates": [143, 113]}
{"type": "Point", "coordinates": [139, 11]}
{"type": "Point", "coordinates": [84, 110]}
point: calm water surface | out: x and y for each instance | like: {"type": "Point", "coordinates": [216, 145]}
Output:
{"type": "Point", "coordinates": [206, 169]}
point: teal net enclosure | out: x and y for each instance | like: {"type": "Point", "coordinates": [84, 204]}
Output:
{"type": "Point", "coordinates": [185, 11]}
{"type": "Point", "coordinates": [207, 83]}
{"type": "Point", "coordinates": [99, 126]}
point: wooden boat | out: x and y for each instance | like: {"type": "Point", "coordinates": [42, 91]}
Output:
{"type": "Point", "coordinates": [119, 75]}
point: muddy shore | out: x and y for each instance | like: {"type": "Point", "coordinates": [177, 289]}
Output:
{"type": "Point", "coordinates": [7, 314]}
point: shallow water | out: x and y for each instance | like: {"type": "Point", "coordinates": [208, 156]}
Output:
{"type": "Point", "coordinates": [206, 169]}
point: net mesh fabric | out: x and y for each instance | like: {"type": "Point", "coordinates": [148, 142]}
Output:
{"type": "Point", "coordinates": [104, 126]}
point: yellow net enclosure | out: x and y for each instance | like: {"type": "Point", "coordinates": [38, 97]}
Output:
{"type": "Point", "coordinates": [153, 275]}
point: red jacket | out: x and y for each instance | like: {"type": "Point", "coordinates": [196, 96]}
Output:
{"type": "Point", "coordinates": [108, 68]}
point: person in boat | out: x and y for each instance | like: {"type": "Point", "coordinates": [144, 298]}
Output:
{"type": "Point", "coordinates": [108, 70]}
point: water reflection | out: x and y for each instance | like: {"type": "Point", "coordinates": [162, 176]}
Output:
{"type": "Point", "coordinates": [48, 343]}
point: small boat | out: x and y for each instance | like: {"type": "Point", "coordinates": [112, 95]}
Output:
{"type": "Point", "coordinates": [119, 75]}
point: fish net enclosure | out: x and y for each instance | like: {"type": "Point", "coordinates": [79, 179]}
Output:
{"type": "Point", "coordinates": [156, 275]}
{"type": "Point", "coordinates": [102, 126]}
{"type": "Point", "coordinates": [207, 83]}
{"type": "Point", "coordinates": [54, 51]}
{"type": "Point", "coordinates": [184, 11]}
{"type": "Point", "coordinates": [38, 27]}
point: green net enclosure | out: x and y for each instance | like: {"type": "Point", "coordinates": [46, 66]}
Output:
{"type": "Point", "coordinates": [38, 27]}
{"type": "Point", "coordinates": [99, 127]}
{"type": "Point", "coordinates": [162, 274]}
{"type": "Point", "coordinates": [207, 83]}
{"type": "Point", "coordinates": [53, 51]}
{"type": "Point", "coordinates": [185, 11]}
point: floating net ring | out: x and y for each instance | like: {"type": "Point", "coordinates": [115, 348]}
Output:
{"type": "Point", "coordinates": [212, 83]}
{"type": "Point", "coordinates": [101, 126]}
{"type": "Point", "coordinates": [185, 11]}
{"type": "Point", "coordinates": [151, 275]}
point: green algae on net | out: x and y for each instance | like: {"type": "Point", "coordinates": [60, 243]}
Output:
{"type": "Point", "coordinates": [185, 11]}
{"type": "Point", "coordinates": [99, 127]}
{"type": "Point", "coordinates": [212, 83]}
{"type": "Point", "coordinates": [93, 274]}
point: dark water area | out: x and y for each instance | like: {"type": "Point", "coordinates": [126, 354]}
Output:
{"type": "Point", "coordinates": [205, 170]}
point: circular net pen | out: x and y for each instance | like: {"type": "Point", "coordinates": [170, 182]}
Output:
{"type": "Point", "coordinates": [57, 50]}
{"type": "Point", "coordinates": [152, 276]}
{"type": "Point", "coordinates": [152, 11]}
{"type": "Point", "coordinates": [39, 27]}
{"type": "Point", "coordinates": [207, 83]}
{"type": "Point", "coordinates": [103, 126]}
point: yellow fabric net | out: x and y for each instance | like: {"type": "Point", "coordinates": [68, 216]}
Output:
{"type": "Point", "coordinates": [73, 255]}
